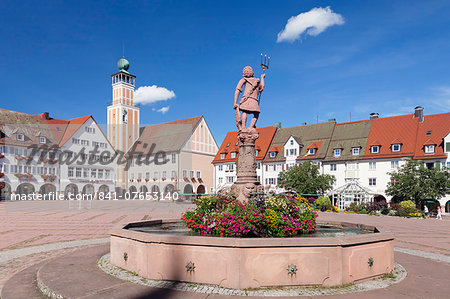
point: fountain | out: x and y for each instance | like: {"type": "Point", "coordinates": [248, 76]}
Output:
{"type": "Point", "coordinates": [337, 253]}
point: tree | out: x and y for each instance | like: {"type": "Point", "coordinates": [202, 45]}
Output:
{"type": "Point", "coordinates": [305, 179]}
{"type": "Point", "coordinates": [415, 182]}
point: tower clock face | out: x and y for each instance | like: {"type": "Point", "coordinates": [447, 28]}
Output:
{"type": "Point", "coordinates": [124, 116]}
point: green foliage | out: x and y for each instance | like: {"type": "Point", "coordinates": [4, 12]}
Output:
{"type": "Point", "coordinates": [408, 206]}
{"type": "Point", "coordinates": [323, 203]}
{"type": "Point", "coordinates": [305, 178]}
{"type": "Point", "coordinates": [278, 216]}
{"type": "Point", "coordinates": [415, 182]}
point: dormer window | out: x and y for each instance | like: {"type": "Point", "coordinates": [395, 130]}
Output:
{"type": "Point", "coordinates": [429, 149]}
{"type": "Point", "coordinates": [228, 144]}
{"type": "Point", "coordinates": [396, 147]}
{"type": "Point", "coordinates": [20, 137]}
{"type": "Point", "coordinates": [311, 151]}
{"type": "Point", "coordinates": [256, 152]}
{"type": "Point", "coordinates": [272, 154]}
{"type": "Point", "coordinates": [42, 140]}
{"type": "Point", "coordinates": [355, 151]}
{"type": "Point", "coordinates": [222, 156]}
{"type": "Point", "coordinates": [374, 149]}
{"type": "Point", "coordinates": [337, 152]}
{"type": "Point", "coordinates": [233, 155]}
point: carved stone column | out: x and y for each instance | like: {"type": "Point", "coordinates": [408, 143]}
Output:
{"type": "Point", "coordinates": [246, 169]}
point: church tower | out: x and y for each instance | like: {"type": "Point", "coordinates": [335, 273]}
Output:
{"type": "Point", "coordinates": [123, 115]}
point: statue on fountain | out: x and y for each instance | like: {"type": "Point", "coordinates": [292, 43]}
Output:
{"type": "Point", "coordinates": [247, 183]}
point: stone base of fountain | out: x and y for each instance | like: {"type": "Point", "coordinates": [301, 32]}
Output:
{"type": "Point", "coordinates": [242, 263]}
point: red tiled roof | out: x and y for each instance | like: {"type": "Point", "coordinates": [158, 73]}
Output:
{"type": "Point", "coordinates": [316, 144]}
{"type": "Point", "coordinates": [263, 142]}
{"type": "Point", "coordinates": [439, 125]}
{"type": "Point", "coordinates": [72, 127]}
{"type": "Point", "coordinates": [384, 130]}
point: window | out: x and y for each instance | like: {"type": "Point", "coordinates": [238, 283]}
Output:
{"type": "Point", "coordinates": [42, 140]}
{"type": "Point", "coordinates": [20, 137]}
{"type": "Point", "coordinates": [107, 174]}
{"type": "Point", "coordinates": [174, 158]}
{"type": "Point", "coordinates": [220, 180]}
{"type": "Point", "coordinates": [228, 144]}
{"type": "Point", "coordinates": [90, 130]}
{"type": "Point", "coordinates": [258, 165]}
{"type": "Point", "coordinates": [191, 174]}
{"type": "Point", "coordinates": [256, 152]}
{"type": "Point", "coordinates": [292, 142]}
{"type": "Point", "coordinates": [355, 151]}
{"type": "Point", "coordinates": [272, 181]}
{"type": "Point", "coordinates": [372, 181]}
{"type": "Point", "coordinates": [174, 174]}
{"type": "Point", "coordinates": [396, 147]}
{"type": "Point", "coordinates": [230, 179]}
{"type": "Point", "coordinates": [220, 167]}
{"type": "Point", "coordinates": [199, 175]}
{"type": "Point", "coordinates": [311, 151]}
{"type": "Point", "coordinates": [333, 167]}
{"type": "Point", "coordinates": [184, 173]}
{"type": "Point", "coordinates": [2, 149]}
{"type": "Point", "coordinates": [78, 172]}
{"type": "Point", "coordinates": [222, 156]}
{"type": "Point", "coordinates": [233, 155]}
{"type": "Point", "coordinates": [93, 173]}
{"type": "Point", "coordinates": [428, 132]}
{"type": "Point", "coordinates": [156, 174]}
{"type": "Point", "coordinates": [291, 152]}
{"type": "Point", "coordinates": [272, 154]}
{"type": "Point", "coordinates": [337, 152]}
{"type": "Point", "coordinates": [86, 173]}
{"type": "Point", "coordinates": [100, 173]}
{"type": "Point", "coordinates": [164, 174]}
{"type": "Point", "coordinates": [279, 167]}
{"type": "Point", "coordinates": [352, 166]}
{"type": "Point", "coordinates": [372, 165]}
{"type": "Point", "coordinates": [429, 149]}
{"type": "Point", "coordinates": [394, 164]}
{"type": "Point", "coordinates": [230, 167]}
{"type": "Point", "coordinates": [375, 149]}
{"type": "Point", "coordinates": [447, 147]}
{"type": "Point", "coordinates": [70, 171]}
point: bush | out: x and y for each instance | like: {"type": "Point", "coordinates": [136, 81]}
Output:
{"type": "Point", "coordinates": [380, 206]}
{"type": "Point", "coordinates": [323, 203]}
{"type": "Point", "coordinates": [278, 216]}
{"type": "Point", "coordinates": [408, 206]}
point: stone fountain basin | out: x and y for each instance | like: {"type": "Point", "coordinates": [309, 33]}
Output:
{"type": "Point", "coordinates": [242, 263]}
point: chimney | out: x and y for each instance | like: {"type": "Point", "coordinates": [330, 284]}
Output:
{"type": "Point", "coordinates": [418, 113]}
{"type": "Point", "coordinates": [304, 124]}
{"type": "Point", "coordinates": [374, 115]}
{"type": "Point", "coordinates": [277, 124]}
{"type": "Point", "coordinates": [44, 115]}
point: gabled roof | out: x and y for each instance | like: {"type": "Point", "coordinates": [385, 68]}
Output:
{"type": "Point", "coordinates": [439, 125]}
{"type": "Point", "coordinates": [306, 134]}
{"type": "Point", "coordinates": [347, 136]}
{"type": "Point", "coordinates": [167, 137]}
{"type": "Point", "coordinates": [72, 127]}
{"type": "Point", "coordinates": [266, 135]}
{"type": "Point", "coordinates": [31, 126]}
{"type": "Point", "coordinates": [384, 130]}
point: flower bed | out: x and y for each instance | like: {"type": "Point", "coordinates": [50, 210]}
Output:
{"type": "Point", "coordinates": [278, 216]}
{"type": "Point", "coordinates": [405, 209]}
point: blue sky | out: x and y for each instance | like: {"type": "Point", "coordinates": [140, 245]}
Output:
{"type": "Point", "coordinates": [386, 57]}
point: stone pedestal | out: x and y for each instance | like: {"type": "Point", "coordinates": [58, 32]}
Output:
{"type": "Point", "coordinates": [246, 182]}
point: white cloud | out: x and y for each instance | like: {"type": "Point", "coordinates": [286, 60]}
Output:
{"type": "Point", "coordinates": [313, 22]}
{"type": "Point", "coordinates": [163, 110]}
{"type": "Point", "coordinates": [151, 94]}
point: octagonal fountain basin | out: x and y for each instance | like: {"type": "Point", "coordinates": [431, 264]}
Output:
{"type": "Point", "coordinates": [338, 253]}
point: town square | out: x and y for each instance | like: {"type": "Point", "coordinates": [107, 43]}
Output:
{"type": "Point", "coordinates": [314, 162]}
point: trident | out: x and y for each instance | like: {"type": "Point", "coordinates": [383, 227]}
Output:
{"type": "Point", "coordinates": [265, 65]}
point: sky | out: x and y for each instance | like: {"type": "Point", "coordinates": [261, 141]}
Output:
{"type": "Point", "coordinates": [329, 59]}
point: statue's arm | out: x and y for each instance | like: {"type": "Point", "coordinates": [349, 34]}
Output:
{"type": "Point", "coordinates": [262, 84]}
{"type": "Point", "coordinates": [237, 92]}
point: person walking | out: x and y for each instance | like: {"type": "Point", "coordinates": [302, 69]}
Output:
{"type": "Point", "coordinates": [425, 210]}
{"type": "Point", "coordinates": [439, 213]}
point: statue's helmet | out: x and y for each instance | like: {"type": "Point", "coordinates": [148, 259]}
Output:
{"type": "Point", "coordinates": [248, 72]}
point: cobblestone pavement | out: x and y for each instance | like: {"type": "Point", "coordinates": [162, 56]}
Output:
{"type": "Point", "coordinates": [31, 232]}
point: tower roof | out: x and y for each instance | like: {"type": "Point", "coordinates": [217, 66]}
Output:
{"type": "Point", "coordinates": [123, 64]}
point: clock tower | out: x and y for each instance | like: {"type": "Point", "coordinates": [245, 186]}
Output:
{"type": "Point", "coordinates": [123, 116]}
